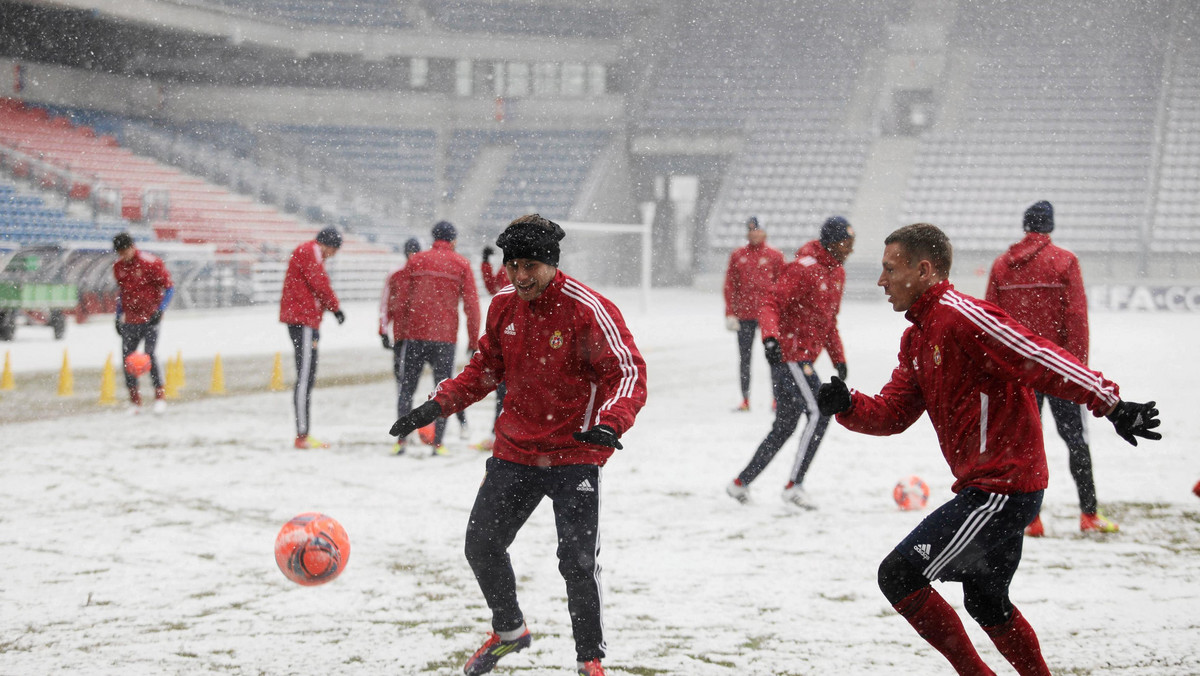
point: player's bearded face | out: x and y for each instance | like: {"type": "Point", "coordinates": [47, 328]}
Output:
{"type": "Point", "coordinates": [529, 277]}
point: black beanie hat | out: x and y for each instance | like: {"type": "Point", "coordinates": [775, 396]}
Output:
{"type": "Point", "coordinates": [330, 237]}
{"type": "Point", "coordinates": [835, 229]}
{"type": "Point", "coordinates": [122, 241]}
{"type": "Point", "coordinates": [411, 246]}
{"type": "Point", "coordinates": [1039, 217]}
{"type": "Point", "coordinates": [445, 231]}
{"type": "Point", "coordinates": [752, 223]}
{"type": "Point", "coordinates": [531, 237]}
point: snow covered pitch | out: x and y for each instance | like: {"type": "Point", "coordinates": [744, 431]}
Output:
{"type": "Point", "coordinates": [144, 545]}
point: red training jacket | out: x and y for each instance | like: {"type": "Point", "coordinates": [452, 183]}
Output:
{"type": "Point", "coordinates": [569, 363]}
{"type": "Point", "coordinates": [752, 271]}
{"type": "Point", "coordinates": [423, 297]}
{"type": "Point", "coordinates": [142, 282]}
{"type": "Point", "coordinates": [493, 281]}
{"type": "Point", "coordinates": [801, 310]}
{"type": "Point", "coordinates": [1040, 285]}
{"type": "Point", "coordinates": [307, 293]}
{"type": "Point", "coordinates": [974, 370]}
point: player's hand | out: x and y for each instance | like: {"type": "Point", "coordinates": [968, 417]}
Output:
{"type": "Point", "coordinates": [120, 327]}
{"type": "Point", "coordinates": [774, 354]}
{"type": "Point", "coordinates": [1134, 420]}
{"type": "Point", "coordinates": [600, 435]}
{"type": "Point", "coordinates": [732, 323]}
{"type": "Point", "coordinates": [841, 369]}
{"type": "Point", "coordinates": [417, 418]}
{"type": "Point", "coordinates": [155, 318]}
{"type": "Point", "coordinates": [833, 397]}
{"type": "Point", "coordinates": [387, 342]}
{"type": "Point", "coordinates": [487, 253]}
{"type": "Point", "coordinates": [340, 316]}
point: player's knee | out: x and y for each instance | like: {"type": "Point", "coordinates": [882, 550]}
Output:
{"type": "Point", "coordinates": [989, 608]}
{"type": "Point", "coordinates": [898, 578]}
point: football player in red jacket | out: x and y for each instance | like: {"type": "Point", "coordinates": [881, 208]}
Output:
{"type": "Point", "coordinates": [974, 370]}
{"type": "Point", "coordinates": [144, 291]}
{"type": "Point", "coordinates": [307, 294]}
{"type": "Point", "coordinates": [798, 320]}
{"type": "Point", "coordinates": [753, 270]}
{"type": "Point", "coordinates": [575, 384]}
{"type": "Point", "coordinates": [1040, 285]}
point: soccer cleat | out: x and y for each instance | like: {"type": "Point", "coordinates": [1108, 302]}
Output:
{"type": "Point", "coordinates": [1096, 523]}
{"type": "Point", "coordinates": [133, 409]}
{"type": "Point", "coordinates": [160, 405]}
{"type": "Point", "coordinates": [398, 447]}
{"type": "Point", "coordinates": [306, 442]}
{"type": "Point", "coordinates": [1035, 529]}
{"type": "Point", "coordinates": [590, 668]}
{"type": "Point", "coordinates": [738, 491]}
{"type": "Point", "coordinates": [492, 650]}
{"type": "Point", "coordinates": [485, 445]}
{"type": "Point", "coordinates": [796, 497]}
{"type": "Point", "coordinates": [744, 407]}
{"type": "Point", "coordinates": [441, 450]}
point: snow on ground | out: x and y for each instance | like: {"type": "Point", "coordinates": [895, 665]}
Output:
{"type": "Point", "coordinates": [143, 545]}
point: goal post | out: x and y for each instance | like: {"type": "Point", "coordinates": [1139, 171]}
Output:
{"type": "Point", "coordinates": [643, 230]}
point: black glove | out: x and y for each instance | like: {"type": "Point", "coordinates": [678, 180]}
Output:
{"type": "Point", "coordinates": [155, 318]}
{"type": "Point", "coordinates": [1135, 420]}
{"type": "Point", "coordinates": [601, 435]}
{"type": "Point", "coordinates": [833, 397]}
{"type": "Point", "coordinates": [417, 418]}
{"type": "Point", "coordinates": [487, 253]}
{"type": "Point", "coordinates": [387, 342]}
{"type": "Point", "coordinates": [120, 327]}
{"type": "Point", "coordinates": [841, 369]}
{"type": "Point", "coordinates": [340, 316]}
{"type": "Point", "coordinates": [774, 354]}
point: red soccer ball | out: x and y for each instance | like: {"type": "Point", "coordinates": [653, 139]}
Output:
{"type": "Point", "coordinates": [911, 493]}
{"type": "Point", "coordinates": [312, 549]}
{"type": "Point", "coordinates": [428, 433]}
{"type": "Point", "coordinates": [138, 363]}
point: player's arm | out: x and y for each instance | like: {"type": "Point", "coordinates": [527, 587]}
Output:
{"type": "Point", "coordinates": [1075, 314]}
{"type": "Point", "coordinates": [612, 354]}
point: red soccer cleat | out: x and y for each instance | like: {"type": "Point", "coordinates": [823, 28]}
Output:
{"type": "Point", "coordinates": [1096, 523]}
{"type": "Point", "coordinates": [492, 650]}
{"type": "Point", "coordinates": [744, 407]}
{"type": "Point", "coordinates": [591, 668]}
{"type": "Point", "coordinates": [306, 442]}
{"type": "Point", "coordinates": [1035, 529]}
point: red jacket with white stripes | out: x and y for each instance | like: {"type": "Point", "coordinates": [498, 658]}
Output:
{"type": "Point", "coordinates": [569, 363]}
{"type": "Point", "coordinates": [801, 311]}
{"type": "Point", "coordinates": [752, 272]}
{"type": "Point", "coordinates": [974, 370]}
{"type": "Point", "coordinates": [142, 282]}
{"type": "Point", "coordinates": [423, 297]}
{"type": "Point", "coordinates": [307, 293]}
{"type": "Point", "coordinates": [1040, 285]}
{"type": "Point", "coordinates": [493, 281]}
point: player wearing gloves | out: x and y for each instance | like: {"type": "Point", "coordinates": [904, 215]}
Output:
{"type": "Point", "coordinates": [307, 294]}
{"type": "Point", "coordinates": [575, 383]}
{"type": "Point", "coordinates": [753, 270]}
{"type": "Point", "coordinates": [798, 319]}
{"type": "Point", "coordinates": [974, 370]}
{"type": "Point", "coordinates": [144, 291]}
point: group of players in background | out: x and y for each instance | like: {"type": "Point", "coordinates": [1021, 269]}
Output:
{"type": "Point", "coordinates": [575, 381]}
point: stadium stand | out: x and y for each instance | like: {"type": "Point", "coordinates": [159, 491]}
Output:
{"type": "Point", "coordinates": [26, 219]}
{"type": "Point", "coordinates": [362, 13]}
{"type": "Point", "coordinates": [178, 206]}
{"type": "Point", "coordinates": [1176, 222]}
{"type": "Point", "coordinates": [565, 20]}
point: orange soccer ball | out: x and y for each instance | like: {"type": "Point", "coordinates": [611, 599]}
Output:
{"type": "Point", "coordinates": [911, 493]}
{"type": "Point", "coordinates": [138, 363]}
{"type": "Point", "coordinates": [312, 549]}
{"type": "Point", "coordinates": [428, 434]}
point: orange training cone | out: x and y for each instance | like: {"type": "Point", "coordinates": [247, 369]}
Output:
{"type": "Point", "coordinates": [6, 379]}
{"type": "Point", "coordinates": [218, 377]}
{"type": "Point", "coordinates": [66, 381]}
{"type": "Point", "coordinates": [277, 384]}
{"type": "Point", "coordinates": [108, 383]}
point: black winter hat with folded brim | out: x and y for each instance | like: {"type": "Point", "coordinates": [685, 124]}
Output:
{"type": "Point", "coordinates": [1039, 217]}
{"type": "Point", "coordinates": [835, 229]}
{"type": "Point", "coordinates": [531, 237]}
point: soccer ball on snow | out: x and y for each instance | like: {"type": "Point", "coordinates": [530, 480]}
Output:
{"type": "Point", "coordinates": [911, 493]}
{"type": "Point", "coordinates": [312, 549]}
{"type": "Point", "coordinates": [138, 363]}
